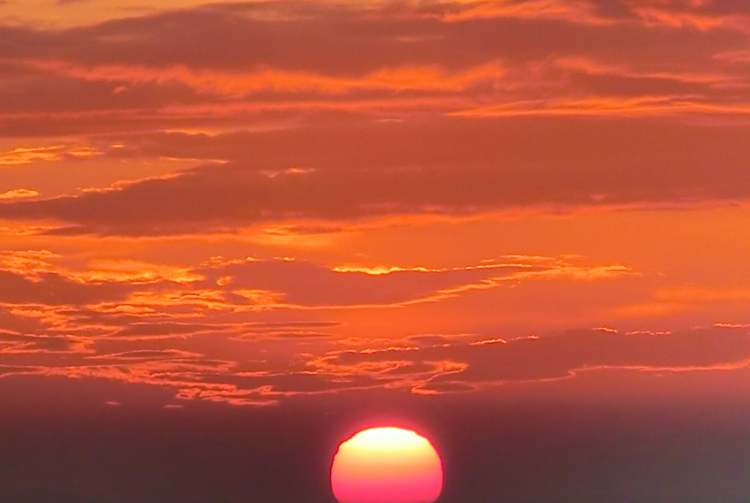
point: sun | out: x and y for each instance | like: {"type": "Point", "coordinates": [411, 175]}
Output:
{"type": "Point", "coordinates": [386, 465]}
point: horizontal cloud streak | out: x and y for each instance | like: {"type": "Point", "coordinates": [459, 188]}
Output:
{"type": "Point", "coordinates": [376, 171]}
{"type": "Point", "coordinates": [556, 357]}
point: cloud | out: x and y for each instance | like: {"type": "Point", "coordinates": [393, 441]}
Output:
{"type": "Point", "coordinates": [572, 11]}
{"type": "Point", "coordinates": [18, 194]}
{"type": "Point", "coordinates": [246, 300]}
{"type": "Point", "coordinates": [187, 336]}
{"type": "Point", "coordinates": [12, 370]}
{"type": "Point", "coordinates": [27, 155]}
{"type": "Point", "coordinates": [608, 106]}
{"type": "Point", "coordinates": [702, 16]}
{"type": "Point", "coordinates": [554, 357]}
{"type": "Point", "coordinates": [55, 289]}
{"type": "Point", "coordinates": [140, 330]}
{"type": "Point", "coordinates": [19, 344]}
{"type": "Point", "coordinates": [298, 283]}
{"type": "Point", "coordinates": [152, 349]}
{"type": "Point", "coordinates": [268, 60]}
{"type": "Point", "coordinates": [309, 284]}
{"type": "Point", "coordinates": [392, 79]}
{"type": "Point", "coordinates": [375, 170]}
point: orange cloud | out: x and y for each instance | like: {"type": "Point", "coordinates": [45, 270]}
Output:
{"type": "Point", "coordinates": [614, 106]}
{"type": "Point", "coordinates": [27, 155]}
{"type": "Point", "coordinates": [18, 194]}
{"type": "Point", "coordinates": [592, 67]}
{"type": "Point", "coordinates": [553, 357]}
{"type": "Point", "coordinates": [653, 16]}
{"type": "Point", "coordinates": [575, 11]}
{"type": "Point", "coordinates": [417, 78]}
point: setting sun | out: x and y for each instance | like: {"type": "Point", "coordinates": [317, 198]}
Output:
{"type": "Point", "coordinates": [386, 465]}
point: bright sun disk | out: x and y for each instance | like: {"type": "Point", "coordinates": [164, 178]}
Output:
{"type": "Point", "coordinates": [386, 465]}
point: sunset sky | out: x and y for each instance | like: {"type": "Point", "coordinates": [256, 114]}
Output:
{"type": "Point", "coordinates": [436, 212]}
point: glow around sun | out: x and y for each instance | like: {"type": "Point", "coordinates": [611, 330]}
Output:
{"type": "Point", "coordinates": [386, 465]}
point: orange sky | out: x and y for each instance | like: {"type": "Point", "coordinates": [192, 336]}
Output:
{"type": "Point", "coordinates": [248, 202]}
